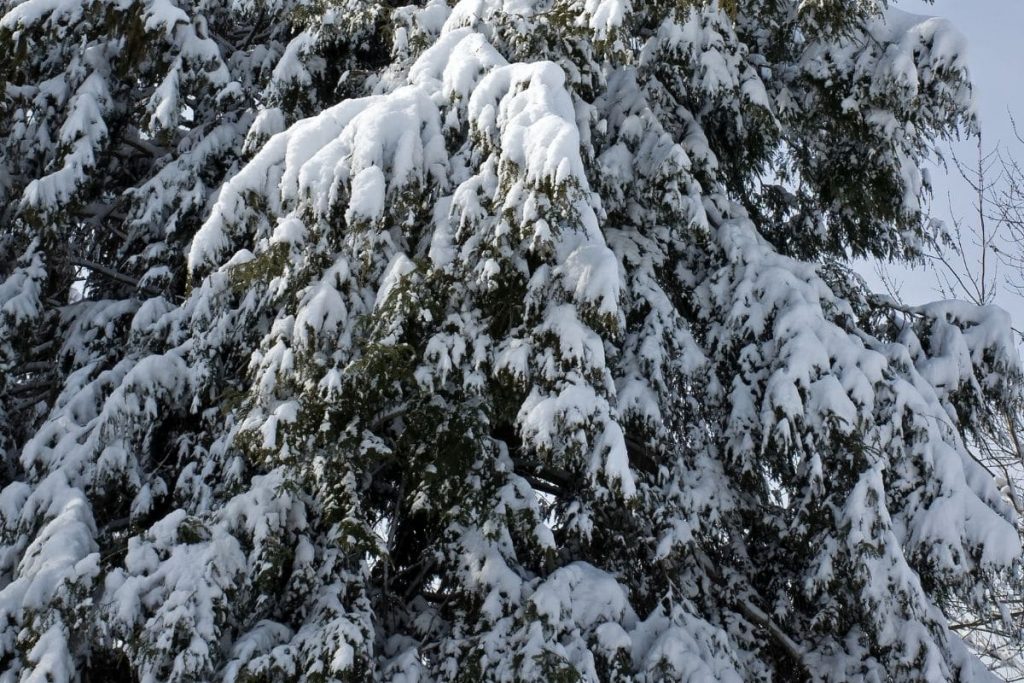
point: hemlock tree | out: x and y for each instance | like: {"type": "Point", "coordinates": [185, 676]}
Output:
{"type": "Point", "coordinates": [486, 340]}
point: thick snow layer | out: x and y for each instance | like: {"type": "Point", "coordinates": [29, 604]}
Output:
{"type": "Point", "coordinates": [534, 128]}
{"type": "Point", "coordinates": [585, 595]}
{"type": "Point", "coordinates": [947, 47]}
{"type": "Point", "coordinates": [456, 62]}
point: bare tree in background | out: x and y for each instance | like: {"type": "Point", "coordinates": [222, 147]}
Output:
{"type": "Point", "coordinates": [981, 259]}
{"type": "Point", "coordinates": [1007, 206]}
{"type": "Point", "coordinates": [966, 260]}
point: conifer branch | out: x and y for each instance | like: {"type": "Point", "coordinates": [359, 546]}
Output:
{"type": "Point", "coordinates": [112, 274]}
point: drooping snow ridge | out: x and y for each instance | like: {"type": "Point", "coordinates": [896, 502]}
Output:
{"type": "Point", "coordinates": [946, 46]}
{"type": "Point", "coordinates": [31, 11]}
{"type": "Point", "coordinates": [456, 62]}
{"type": "Point", "coordinates": [535, 129]}
{"type": "Point", "coordinates": [20, 292]}
{"type": "Point", "coordinates": [314, 160]}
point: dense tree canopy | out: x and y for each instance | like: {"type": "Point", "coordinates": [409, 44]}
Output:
{"type": "Point", "coordinates": [504, 340]}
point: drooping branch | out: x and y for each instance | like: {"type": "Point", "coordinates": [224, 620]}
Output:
{"type": "Point", "coordinates": [111, 274]}
{"type": "Point", "coordinates": [756, 615]}
{"type": "Point", "coordinates": [145, 147]}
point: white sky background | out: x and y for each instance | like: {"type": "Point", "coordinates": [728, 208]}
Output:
{"type": "Point", "coordinates": [995, 38]}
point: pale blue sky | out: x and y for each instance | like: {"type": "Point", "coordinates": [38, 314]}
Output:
{"type": "Point", "coordinates": [995, 37]}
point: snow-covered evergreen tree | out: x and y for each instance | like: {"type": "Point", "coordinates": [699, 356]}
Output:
{"type": "Point", "coordinates": [503, 340]}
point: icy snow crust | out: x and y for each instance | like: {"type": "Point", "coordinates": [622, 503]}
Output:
{"type": "Point", "coordinates": [465, 176]}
